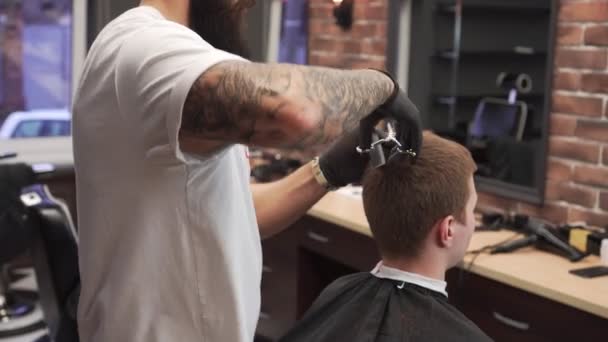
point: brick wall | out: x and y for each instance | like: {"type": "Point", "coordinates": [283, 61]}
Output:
{"type": "Point", "coordinates": [577, 164]}
{"type": "Point", "coordinates": [363, 46]}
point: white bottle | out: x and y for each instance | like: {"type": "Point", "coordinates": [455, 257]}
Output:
{"type": "Point", "coordinates": [604, 252]}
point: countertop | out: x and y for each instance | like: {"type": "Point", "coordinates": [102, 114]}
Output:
{"type": "Point", "coordinates": [537, 272]}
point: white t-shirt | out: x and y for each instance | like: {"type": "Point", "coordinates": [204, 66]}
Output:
{"type": "Point", "coordinates": [169, 243]}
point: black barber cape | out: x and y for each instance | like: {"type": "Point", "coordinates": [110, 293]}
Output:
{"type": "Point", "coordinates": [364, 308]}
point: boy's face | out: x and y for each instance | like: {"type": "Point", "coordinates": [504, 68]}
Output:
{"type": "Point", "coordinates": [464, 230]}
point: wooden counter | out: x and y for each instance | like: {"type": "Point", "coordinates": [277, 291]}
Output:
{"type": "Point", "coordinates": [537, 272]}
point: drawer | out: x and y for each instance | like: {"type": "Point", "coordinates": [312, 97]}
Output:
{"type": "Point", "coordinates": [325, 253]}
{"type": "Point", "coordinates": [506, 313]}
{"type": "Point", "coordinates": [350, 248]}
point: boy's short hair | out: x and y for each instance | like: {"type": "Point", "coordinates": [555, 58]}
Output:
{"type": "Point", "coordinates": [404, 200]}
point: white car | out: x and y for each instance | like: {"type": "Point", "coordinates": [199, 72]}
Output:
{"type": "Point", "coordinates": [36, 123]}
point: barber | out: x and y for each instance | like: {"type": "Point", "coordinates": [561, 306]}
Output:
{"type": "Point", "coordinates": [169, 225]}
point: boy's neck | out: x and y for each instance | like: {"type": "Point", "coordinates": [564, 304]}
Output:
{"type": "Point", "coordinates": [424, 266]}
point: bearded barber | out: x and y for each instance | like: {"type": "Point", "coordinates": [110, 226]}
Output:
{"type": "Point", "coordinates": [169, 225]}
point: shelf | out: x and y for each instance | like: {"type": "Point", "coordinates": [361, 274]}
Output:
{"type": "Point", "coordinates": [518, 51]}
{"type": "Point", "coordinates": [450, 9]}
{"type": "Point", "coordinates": [447, 100]}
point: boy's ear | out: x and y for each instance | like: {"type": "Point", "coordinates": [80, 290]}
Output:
{"type": "Point", "coordinates": [445, 231]}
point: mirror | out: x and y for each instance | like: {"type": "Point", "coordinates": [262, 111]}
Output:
{"type": "Point", "coordinates": [480, 72]}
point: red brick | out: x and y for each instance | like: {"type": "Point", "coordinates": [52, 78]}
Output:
{"type": "Point", "coordinates": [570, 35]}
{"type": "Point", "coordinates": [353, 47]}
{"type": "Point", "coordinates": [587, 59]}
{"type": "Point", "coordinates": [594, 218]}
{"type": "Point", "coordinates": [591, 175]}
{"type": "Point", "coordinates": [552, 190]}
{"type": "Point", "coordinates": [605, 156]}
{"type": "Point", "coordinates": [587, 106]}
{"type": "Point", "coordinates": [371, 47]}
{"type": "Point", "coordinates": [583, 11]}
{"type": "Point", "coordinates": [571, 149]}
{"type": "Point", "coordinates": [324, 60]}
{"type": "Point", "coordinates": [596, 35]}
{"type": "Point", "coordinates": [366, 29]}
{"type": "Point", "coordinates": [325, 44]}
{"type": "Point", "coordinates": [562, 124]}
{"type": "Point", "coordinates": [561, 191]}
{"type": "Point", "coordinates": [592, 129]}
{"type": "Point", "coordinates": [558, 170]}
{"type": "Point", "coordinates": [363, 11]}
{"type": "Point", "coordinates": [604, 200]}
{"type": "Point", "coordinates": [567, 80]}
{"type": "Point", "coordinates": [595, 83]}
{"type": "Point", "coordinates": [321, 12]}
{"type": "Point", "coordinates": [552, 212]}
{"type": "Point", "coordinates": [323, 26]}
{"type": "Point", "coordinates": [363, 63]}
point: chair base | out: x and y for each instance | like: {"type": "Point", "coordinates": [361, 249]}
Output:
{"type": "Point", "coordinates": [17, 310]}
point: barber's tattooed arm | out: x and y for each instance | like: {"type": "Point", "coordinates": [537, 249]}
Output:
{"type": "Point", "coordinates": [280, 105]}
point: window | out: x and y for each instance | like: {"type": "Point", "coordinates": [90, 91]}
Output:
{"type": "Point", "coordinates": [293, 45]}
{"type": "Point", "coordinates": [42, 48]}
{"type": "Point", "coordinates": [278, 31]}
{"type": "Point", "coordinates": [28, 129]}
{"type": "Point", "coordinates": [55, 128]}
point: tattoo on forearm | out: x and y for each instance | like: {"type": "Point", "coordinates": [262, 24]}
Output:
{"type": "Point", "coordinates": [241, 101]}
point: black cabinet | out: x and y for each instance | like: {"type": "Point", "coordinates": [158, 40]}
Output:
{"type": "Point", "coordinates": [279, 283]}
{"type": "Point", "coordinates": [509, 314]}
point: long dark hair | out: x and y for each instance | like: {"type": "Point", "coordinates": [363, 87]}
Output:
{"type": "Point", "coordinates": [220, 23]}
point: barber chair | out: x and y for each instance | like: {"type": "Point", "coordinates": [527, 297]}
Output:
{"type": "Point", "coordinates": [55, 257]}
{"type": "Point", "coordinates": [17, 307]}
{"type": "Point", "coordinates": [31, 218]}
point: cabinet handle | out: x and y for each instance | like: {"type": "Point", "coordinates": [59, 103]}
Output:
{"type": "Point", "coordinates": [318, 237]}
{"type": "Point", "coordinates": [511, 322]}
{"type": "Point", "coordinates": [264, 315]}
{"type": "Point", "coordinates": [266, 269]}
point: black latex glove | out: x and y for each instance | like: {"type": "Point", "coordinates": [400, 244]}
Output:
{"type": "Point", "coordinates": [341, 164]}
{"type": "Point", "coordinates": [399, 109]}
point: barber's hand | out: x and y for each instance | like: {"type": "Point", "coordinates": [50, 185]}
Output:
{"type": "Point", "coordinates": [341, 164]}
{"type": "Point", "coordinates": [401, 110]}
